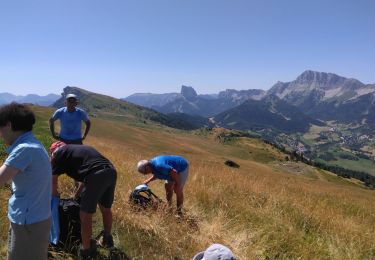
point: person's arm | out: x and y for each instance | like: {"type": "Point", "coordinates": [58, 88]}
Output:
{"type": "Point", "coordinates": [52, 128]}
{"type": "Point", "coordinates": [79, 189]}
{"type": "Point", "coordinates": [147, 181]}
{"type": "Point", "coordinates": [7, 173]}
{"type": "Point", "coordinates": [177, 189]}
{"type": "Point", "coordinates": [55, 185]}
{"type": "Point", "coordinates": [87, 129]}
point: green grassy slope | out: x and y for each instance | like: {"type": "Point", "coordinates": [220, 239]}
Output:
{"type": "Point", "coordinates": [110, 108]}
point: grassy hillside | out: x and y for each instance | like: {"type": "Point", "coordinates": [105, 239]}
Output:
{"type": "Point", "coordinates": [111, 108]}
{"type": "Point", "coordinates": [268, 208]}
{"type": "Point", "coordinates": [267, 113]}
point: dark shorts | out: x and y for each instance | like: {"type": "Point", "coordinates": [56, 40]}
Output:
{"type": "Point", "coordinates": [99, 188]}
{"type": "Point", "coordinates": [77, 141]}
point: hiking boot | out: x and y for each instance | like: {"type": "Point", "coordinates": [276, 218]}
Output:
{"type": "Point", "coordinates": [106, 241]}
{"type": "Point", "coordinates": [89, 253]}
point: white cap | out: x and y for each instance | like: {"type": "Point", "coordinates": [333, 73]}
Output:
{"type": "Point", "coordinates": [71, 96]}
{"type": "Point", "coordinates": [141, 166]}
{"type": "Point", "coordinates": [215, 252]}
{"type": "Point", "coordinates": [142, 187]}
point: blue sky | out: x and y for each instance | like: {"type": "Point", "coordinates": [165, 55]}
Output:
{"type": "Point", "coordinates": [119, 47]}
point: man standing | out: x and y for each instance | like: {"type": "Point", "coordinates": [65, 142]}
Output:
{"type": "Point", "coordinates": [70, 121]}
{"type": "Point", "coordinates": [29, 169]}
{"type": "Point", "coordinates": [97, 178]}
{"type": "Point", "coordinates": [172, 168]}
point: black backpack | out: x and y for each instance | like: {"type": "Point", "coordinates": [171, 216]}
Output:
{"type": "Point", "coordinates": [143, 197]}
{"type": "Point", "coordinates": [70, 224]}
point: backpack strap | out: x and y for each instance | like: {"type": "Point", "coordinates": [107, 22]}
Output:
{"type": "Point", "coordinates": [153, 194]}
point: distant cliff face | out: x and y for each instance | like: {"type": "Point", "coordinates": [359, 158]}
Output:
{"type": "Point", "coordinates": [189, 102]}
{"type": "Point", "coordinates": [188, 93]}
{"type": "Point", "coordinates": [326, 96]}
{"type": "Point", "coordinates": [323, 86]}
{"type": "Point", "coordinates": [193, 104]}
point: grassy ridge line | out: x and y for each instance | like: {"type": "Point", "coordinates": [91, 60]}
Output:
{"type": "Point", "coordinates": [103, 106]}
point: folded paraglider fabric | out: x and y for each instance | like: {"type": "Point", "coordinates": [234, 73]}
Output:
{"type": "Point", "coordinates": [55, 223]}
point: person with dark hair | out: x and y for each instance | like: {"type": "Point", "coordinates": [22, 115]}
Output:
{"type": "Point", "coordinates": [28, 167]}
{"type": "Point", "coordinates": [173, 169]}
{"type": "Point", "coordinates": [71, 118]}
{"type": "Point", "coordinates": [97, 178]}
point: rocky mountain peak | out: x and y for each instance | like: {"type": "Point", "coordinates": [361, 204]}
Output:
{"type": "Point", "coordinates": [188, 92]}
{"type": "Point", "coordinates": [322, 78]}
{"type": "Point", "coordinates": [227, 93]}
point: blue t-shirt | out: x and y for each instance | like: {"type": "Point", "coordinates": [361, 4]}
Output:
{"type": "Point", "coordinates": [32, 186]}
{"type": "Point", "coordinates": [70, 122]}
{"type": "Point", "coordinates": [163, 164]}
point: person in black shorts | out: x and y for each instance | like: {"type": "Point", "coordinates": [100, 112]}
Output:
{"type": "Point", "coordinates": [97, 178]}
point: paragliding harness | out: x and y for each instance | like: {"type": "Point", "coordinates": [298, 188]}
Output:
{"type": "Point", "coordinates": [65, 235]}
{"type": "Point", "coordinates": [70, 224]}
{"type": "Point", "coordinates": [143, 197]}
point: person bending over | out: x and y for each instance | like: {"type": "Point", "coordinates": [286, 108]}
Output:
{"type": "Point", "coordinates": [173, 169]}
{"type": "Point", "coordinates": [97, 178]}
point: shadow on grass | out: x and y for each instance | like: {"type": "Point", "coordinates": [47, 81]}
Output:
{"type": "Point", "coordinates": [55, 253]}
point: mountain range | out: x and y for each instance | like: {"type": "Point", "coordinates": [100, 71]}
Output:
{"type": "Point", "coordinates": [328, 117]}
{"type": "Point", "coordinates": [328, 96]}
{"type": "Point", "coordinates": [316, 95]}
{"type": "Point", "coordinates": [312, 98]}
{"type": "Point", "coordinates": [47, 100]}
{"type": "Point", "coordinates": [268, 113]}
{"type": "Point", "coordinates": [189, 102]}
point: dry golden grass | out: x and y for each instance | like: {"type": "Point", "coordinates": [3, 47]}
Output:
{"type": "Point", "coordinates": [260, 211]}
